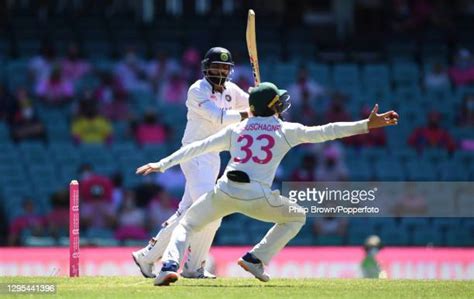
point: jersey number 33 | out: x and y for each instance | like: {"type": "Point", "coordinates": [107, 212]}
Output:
{"type": "Point", "coordinates": [263, 156]}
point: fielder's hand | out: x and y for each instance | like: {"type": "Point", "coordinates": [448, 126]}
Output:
{"type": "Point", "coordinates": [389, 118]}
{"type": "Point", "coordinates": [149, 168]}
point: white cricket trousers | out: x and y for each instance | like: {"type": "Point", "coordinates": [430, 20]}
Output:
{"type": "Point", "coordinates": [252, 199]}
{"type": "Point", "coordinates": [201, 175]}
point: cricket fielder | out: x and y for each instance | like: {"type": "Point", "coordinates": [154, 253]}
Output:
{"type": "Point", "coordinates": [257, 146]}
{"type": "Point", "coordinates": [213, 102]}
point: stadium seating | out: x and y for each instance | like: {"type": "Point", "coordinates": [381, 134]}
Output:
{"type": "Point", "coordinates": [42, 169]}
{"type": "Point", "coordinates": [426, 236]}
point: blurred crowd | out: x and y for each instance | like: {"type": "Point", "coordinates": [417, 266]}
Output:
{"type": "Point", "coordinates": [54, 80]}
{"type": "Point", "coordinates": [110, 210]}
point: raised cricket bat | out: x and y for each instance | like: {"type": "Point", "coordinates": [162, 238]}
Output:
{"type": "Point", "coordinates": [252, 46]}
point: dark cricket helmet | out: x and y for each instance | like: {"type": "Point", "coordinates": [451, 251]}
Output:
{"type": "Point", "coordinates": [217, 55]}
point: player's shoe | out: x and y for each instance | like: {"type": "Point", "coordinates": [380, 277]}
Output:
{"type": "Point", "coordinates": [254, 266]}
{"type": "Point", "coordinates": [145, 268]}
{"type": "Point", "coordinates": [200, 273]}
{"type": "Point", "coordinates": [168, 274]}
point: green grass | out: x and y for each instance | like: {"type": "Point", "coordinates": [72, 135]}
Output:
{"type": "Point", "coordinates": [136, 287]}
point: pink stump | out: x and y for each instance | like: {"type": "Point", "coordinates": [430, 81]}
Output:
{"type": "Point", "coordinates": [74, 229]}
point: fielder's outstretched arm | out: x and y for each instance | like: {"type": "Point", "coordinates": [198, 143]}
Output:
{"type": "Point", "coordinates": [297, 133]}
{"type": "Point", "coordinates": [215, 143]}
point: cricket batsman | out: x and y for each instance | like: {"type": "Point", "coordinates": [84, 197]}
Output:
{"type": "Point", "coordinates": [213, 102]}
{"type": "Point", "coordinates": [257, 145]}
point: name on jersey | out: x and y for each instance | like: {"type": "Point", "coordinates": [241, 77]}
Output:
{"type": "Point", "coordinates": [262, 127]}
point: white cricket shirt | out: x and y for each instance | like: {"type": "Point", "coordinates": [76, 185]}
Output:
{"type": "Point", "coordinates": [210, 112]}
{"type": "Point", "coordinates": [258, 144]}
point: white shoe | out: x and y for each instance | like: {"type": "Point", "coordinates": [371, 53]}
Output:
{"type": "Point", "coordinates": [254, 269]}
{"type": "Point", "coordinates": [201, 273]}
{"type": "Point", "coordinates": [165, 278]}
{"type": "Point", "coordinates": [145, 268]}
